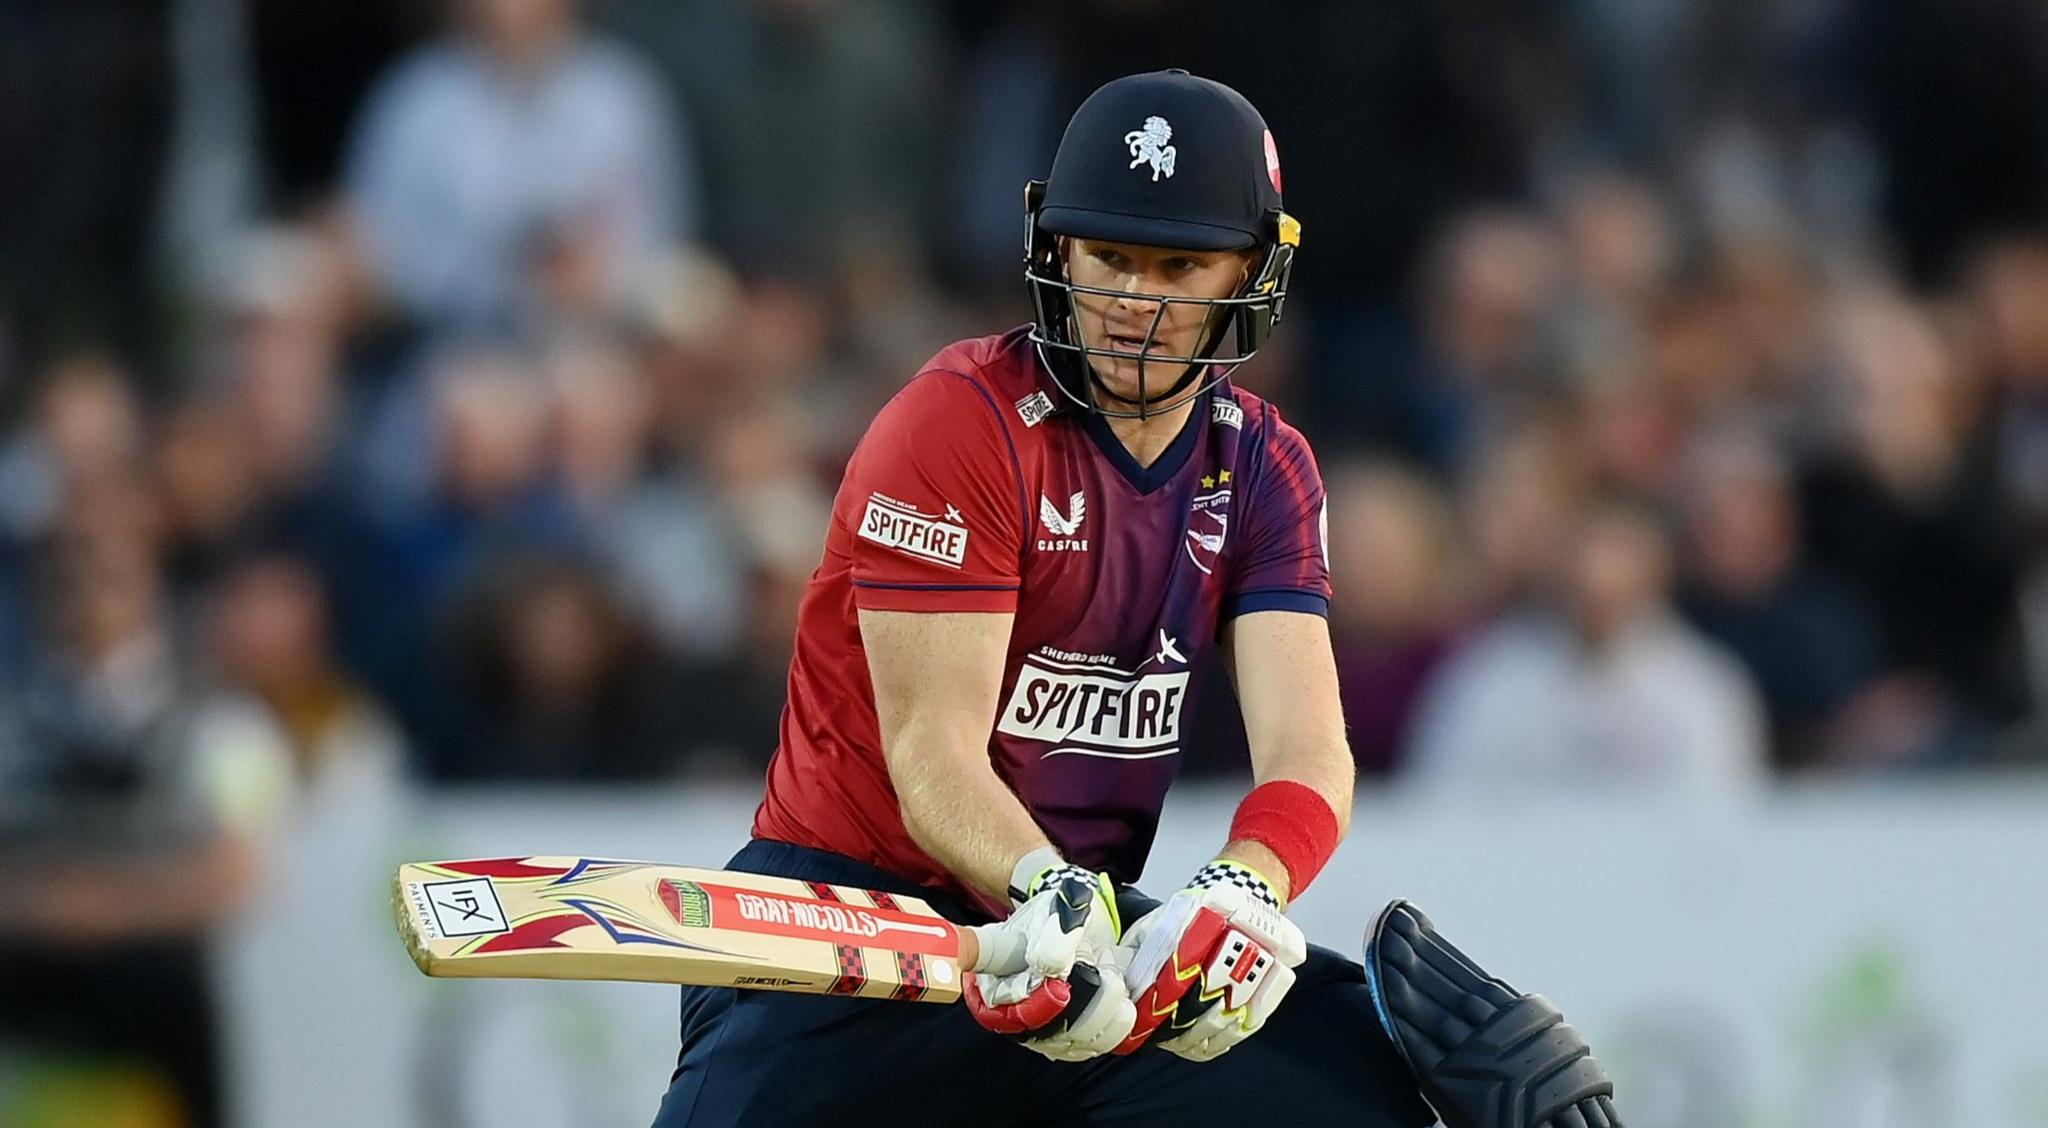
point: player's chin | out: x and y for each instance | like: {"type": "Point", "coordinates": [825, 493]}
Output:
{"type": "Point", "coordinates": [1133, 379]}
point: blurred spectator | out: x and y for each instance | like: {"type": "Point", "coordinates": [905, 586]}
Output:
{"type": "Point", "coordinates": [1602, 687]}
{"type": "Point", "coordinates": [664, 535]}
{"type": "Point", "coordinates": [2009, 295]}
{"type": "Point", "coordinates": [781, 337]}
{"type": "Point", "coordinates": [1395, 568]}
{"type": "Point", "coordinates": [207, 488]}
{"type": "Point", "coordinates": [519, 142]}
{"type": "Point", "coordinates": [1734, 346]}
{"type": "Point", "coordinates": [682, 329]}
{"type": "Point", "coordinates": [83, 436]}
{"type": "Point", "coordinates": [274, 387]}
{"type": "Point", "coordinates": [87, 425]}
{"type": "Point", "coordinates": [487, 471]}
{"type": "Point", "coordinates": [132, 806]}
{"type": "Point", "coordinates": [553, 677]}
{"type": "Point", "coordinates": [1517, 502]}
{"type": "Point", "coordinates": [1634, 435]}
{"type": "Point", "coordinates": [1910, 510]}
{"type": "Point", "coordinates": [779, 510]}
{"type": "Point", "coordinates": [1807, 641]}
{"type": "Point", "coordinates": [782, 509]}
{"type": "Point", "coordinates": [267, 634]}
{"type": "Point", "coordinates": [1492, 278]}
{"type": "Point", "coordinates": [479, 486]}
{"type": "Point", "coordinates": [2009, 290]}
{"type": "Point", "coordinates": [818, 121]}
{"type": "Point", "coordinates": [1621, 249]}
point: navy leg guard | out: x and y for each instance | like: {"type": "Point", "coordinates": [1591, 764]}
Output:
{"type": "Point", "coordinates": [1485, 1055]}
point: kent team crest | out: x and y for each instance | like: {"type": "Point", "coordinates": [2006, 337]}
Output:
{"type": "Point", "coordinates": [1149, 146]}
{"type": "Point", "coordinates": [1209, 522]}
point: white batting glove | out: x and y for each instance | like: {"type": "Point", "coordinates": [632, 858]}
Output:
{"type": "Point", "coordinates": [1049, 974]}
{"type": "Point", "coordinates": [1207, 968]}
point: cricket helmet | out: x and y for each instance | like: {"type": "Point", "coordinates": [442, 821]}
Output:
{"type": "Point", "coordinates": [1164, 159]}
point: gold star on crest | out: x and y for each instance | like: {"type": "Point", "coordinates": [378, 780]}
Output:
{"type": "Point", "coordinates": [1208, 483]}
{"type": "Point", "coordinates": [1224, 477]}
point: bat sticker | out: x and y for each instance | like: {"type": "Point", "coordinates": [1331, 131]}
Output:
{"type": "Point", "coordinates": [468, 907]}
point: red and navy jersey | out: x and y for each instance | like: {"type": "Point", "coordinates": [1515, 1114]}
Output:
{"type": "Point", "coordinates": [972, 491]}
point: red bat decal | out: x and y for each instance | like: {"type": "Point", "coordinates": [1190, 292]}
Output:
{"type": "Point", "coordinates": [503, 867]}
{"type": "Point", "coordinates": [535, 934]}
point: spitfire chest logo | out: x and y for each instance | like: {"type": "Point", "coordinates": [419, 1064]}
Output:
{"type": "Point", "coordinates": [1085, 705]}
{"type": "Point", "coordinates": [1209, 521]}
{"type": "Point", "coordinates": [1062, 527]}
{"type": "Point", "coordinates": [1149, 146]}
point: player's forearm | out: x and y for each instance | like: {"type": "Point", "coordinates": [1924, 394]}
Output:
{"type": "Point", "coordinates": [1324, 767]}
{"type": "Point", "coordinates": [960, 812]}
{"type": "Point", "coordinates": [1294, 719]}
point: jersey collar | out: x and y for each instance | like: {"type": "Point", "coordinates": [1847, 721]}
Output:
{"type": "Point", "coordinates": [1170, 462]}
{"type": "Point", "coordinates": [1144, 479]}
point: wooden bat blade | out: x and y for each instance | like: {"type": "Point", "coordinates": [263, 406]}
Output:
{"type": "Point", "coordinates": [589, 918]}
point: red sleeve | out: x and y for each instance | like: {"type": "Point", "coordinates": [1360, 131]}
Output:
{"type": "Point", "coordinates": [934, 502]}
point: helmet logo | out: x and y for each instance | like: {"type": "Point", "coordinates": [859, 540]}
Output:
{"type": "Point", "coordinates": [1272, 161]}
{"type": "Point", "coordinates": [1149, 146]}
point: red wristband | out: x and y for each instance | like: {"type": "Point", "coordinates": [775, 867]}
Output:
{"type": "Point", "coordinates": [1292, 820]}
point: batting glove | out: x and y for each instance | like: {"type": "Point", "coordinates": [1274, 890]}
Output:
{"type": "Point", "coordinates": [1208, 967]}
{"type": "Point", "coordinates": [1049, 974]}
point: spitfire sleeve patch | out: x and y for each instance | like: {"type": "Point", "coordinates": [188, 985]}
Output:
{"type": "Point", "coordinates": [932, 512]}
{"type": "Point", "coordinates": [899, 525]}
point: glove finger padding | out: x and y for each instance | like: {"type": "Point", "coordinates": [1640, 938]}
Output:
{"type": "Point", "coordinates": [1214, 1028]}
{"type": "Point", "coordinates": [1016, 1004]}
{"type": "Point", "coordinates": [1085, 1014]}
{"type": "Point", "coordinates": [1208, 967]}
{"type": "Point", "coordinates": [1048, 975]}
{"type": "Point", "coordinates": [1098, 1017]}
{"type": "Point", "coordinates": [1485, 1055]}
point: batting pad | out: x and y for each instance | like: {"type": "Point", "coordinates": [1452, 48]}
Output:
{"type": "Point", "coordinates": [1485, 1055]}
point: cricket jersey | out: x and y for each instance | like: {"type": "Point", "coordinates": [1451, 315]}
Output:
{"type": "Point", "coordinates": [974, 490]}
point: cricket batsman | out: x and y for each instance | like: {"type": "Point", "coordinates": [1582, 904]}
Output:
{"type": "Point", "coordinates": [1037, 544]}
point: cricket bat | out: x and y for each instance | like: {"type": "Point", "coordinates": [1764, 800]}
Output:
{"type": "Point", "coordinates": [588, 918]}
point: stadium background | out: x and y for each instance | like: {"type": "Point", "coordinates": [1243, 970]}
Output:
{"type": "Point", "coordinates": [420, 418]}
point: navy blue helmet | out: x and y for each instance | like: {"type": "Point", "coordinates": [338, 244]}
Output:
{"type": "Point", "coordinates": [1164, 159]}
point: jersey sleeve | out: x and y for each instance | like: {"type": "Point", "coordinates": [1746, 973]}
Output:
{"type": "Point", "coordinates": [934, 502]}
{"type": "Point", "coordinates": [1286, 561]}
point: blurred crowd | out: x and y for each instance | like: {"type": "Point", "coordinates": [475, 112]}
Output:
{"type": "Point", "coordinates": [469, 386]}
{"type": "Point", "coordinates": [458, 390]}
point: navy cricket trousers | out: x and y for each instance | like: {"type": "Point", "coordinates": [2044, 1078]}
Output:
{"type": "Point", "coordinates": [785, 1060]}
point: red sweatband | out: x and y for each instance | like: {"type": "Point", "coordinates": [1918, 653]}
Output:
{"type": "Point", "coordinates": [1292, 820]}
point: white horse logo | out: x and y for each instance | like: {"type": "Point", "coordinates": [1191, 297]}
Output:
{"type": "Point", "coordinates": [1149, 146]}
